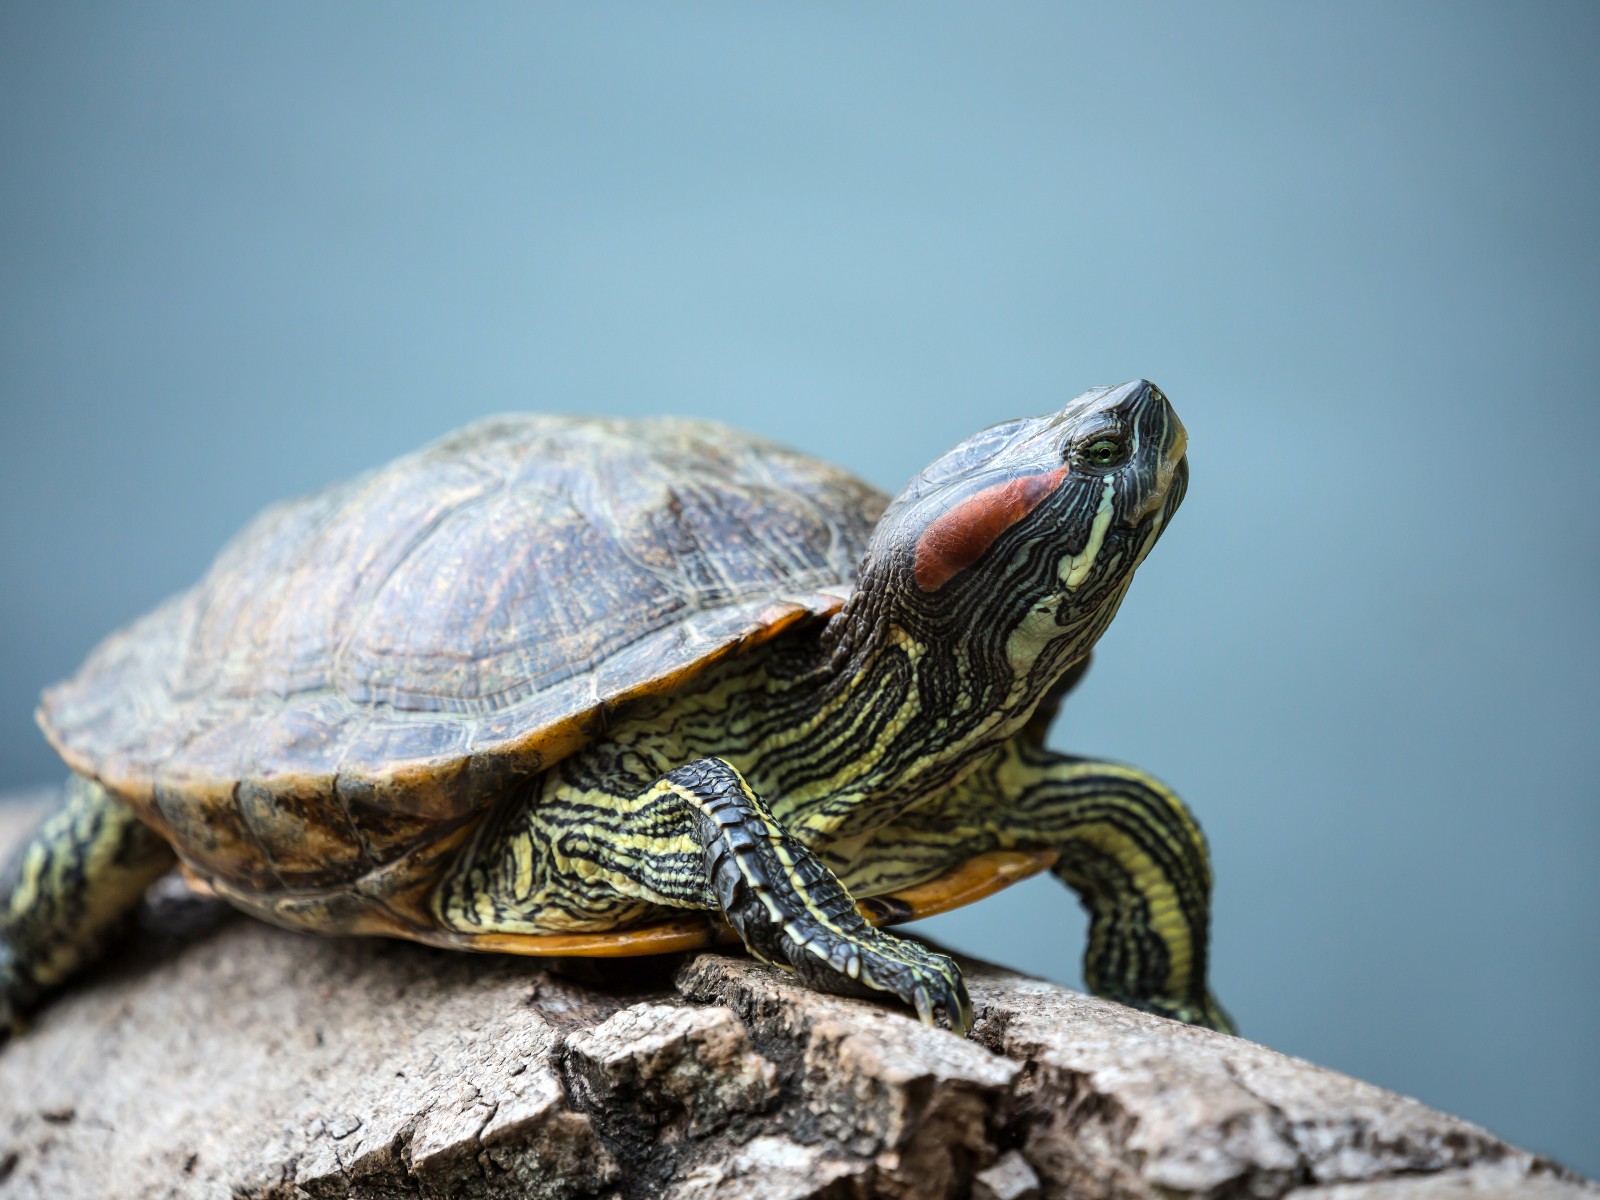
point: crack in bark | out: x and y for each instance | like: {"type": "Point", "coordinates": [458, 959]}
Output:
{"type": "Point", "coordinates": [1284, 1128]}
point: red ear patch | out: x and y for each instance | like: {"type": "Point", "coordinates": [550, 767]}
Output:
{"type": "Point", "coordinates": [958, 539]}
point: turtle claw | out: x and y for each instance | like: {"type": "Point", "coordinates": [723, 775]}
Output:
{"type": "Point", "coordinates": [877, 963]}
{"type": "Point", "coordinates": [964, 1012]}
{"type": "Point", "coordinates": [953, 1012]}
{"type": "Point", "coordinates": [940, 995]}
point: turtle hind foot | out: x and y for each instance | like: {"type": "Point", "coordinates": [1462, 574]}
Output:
{"type": "Point", "coordinates": [15, 997]}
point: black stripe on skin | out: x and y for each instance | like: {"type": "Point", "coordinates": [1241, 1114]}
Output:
{"type": "Point", "coordinates": [796, 912]}
{"type": "Point", "coordinates": [1126, 959]}
{"type": "Point", "coordinates": [68, 889]}
{"type": "Point", "coordinates": [1028, 798]}
{"type": "Point", "coordinates": [786, 906]}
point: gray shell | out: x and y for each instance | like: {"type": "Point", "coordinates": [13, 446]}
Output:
{"type": "Point", "coordinates": [363, 670]}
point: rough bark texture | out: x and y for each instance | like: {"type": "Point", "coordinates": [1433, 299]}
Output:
{"type": "Point", "coordinates": [218, 1057]}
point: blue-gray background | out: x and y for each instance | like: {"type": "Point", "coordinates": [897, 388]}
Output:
{"type": "Point", "coordinates": [250, 250]}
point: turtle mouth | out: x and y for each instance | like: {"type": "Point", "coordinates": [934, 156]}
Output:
{"type": "Point", "coordinates": [1163, 514]}
{"type": "Point", "coordinates": [1176, 489]}
{"type": "Point", "coordinates": [1171, 477]}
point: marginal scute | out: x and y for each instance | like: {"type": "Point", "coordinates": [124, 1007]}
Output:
{"type": "Point", "coordinates": [364, 670]}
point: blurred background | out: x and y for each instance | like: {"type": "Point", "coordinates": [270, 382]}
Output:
{"type": "Point", "coordinates": [251, 250]}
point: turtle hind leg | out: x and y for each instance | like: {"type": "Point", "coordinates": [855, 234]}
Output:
{"type": "Point", "coordinates": [68, 889]}
{"type": "Point", "coordinates": [698, 838]}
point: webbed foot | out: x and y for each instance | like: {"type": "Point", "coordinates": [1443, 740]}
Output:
{"type": "Point", "coordinates": [870, 962]}
{"type": "Point", "coordinates": [1207, 1013]}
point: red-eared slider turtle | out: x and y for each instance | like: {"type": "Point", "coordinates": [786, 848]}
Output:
{"type": "Point", "coordinates": [562, 685]}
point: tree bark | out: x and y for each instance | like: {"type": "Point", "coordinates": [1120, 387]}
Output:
{"type": "Point", "coordinates": [216, 1056]}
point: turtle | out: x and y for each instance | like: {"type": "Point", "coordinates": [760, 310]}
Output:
{"type": "Point", "coordinates": [577, 686]}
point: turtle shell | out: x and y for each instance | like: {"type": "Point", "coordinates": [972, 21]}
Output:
{"type": "Point", "coordinates": [363, 671]}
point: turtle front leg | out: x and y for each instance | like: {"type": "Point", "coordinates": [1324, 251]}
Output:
{"type": "Point", "coordinates": [68, 889]}
{"type": "Point", "coordinates": [1128, 846]}
{"type": "Point", "coordinates": [698, 838]}
{"type": "Point", "coordinates": [791, 910]}
{"type": "Point", "coordinates": [1136, 858]}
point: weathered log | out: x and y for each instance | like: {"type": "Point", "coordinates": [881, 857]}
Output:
{"type": "Point", "coordinates": [215, 1056]}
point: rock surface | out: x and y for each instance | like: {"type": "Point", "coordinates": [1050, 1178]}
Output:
{"type": "Point", "coordinates": [218, 1057]}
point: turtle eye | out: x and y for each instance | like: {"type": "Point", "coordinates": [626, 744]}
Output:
{"type": "Point", "coordinates": [1102, 452]}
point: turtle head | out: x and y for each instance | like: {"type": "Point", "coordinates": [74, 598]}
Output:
{"type": "Point", "coordinates": [1031, 530]}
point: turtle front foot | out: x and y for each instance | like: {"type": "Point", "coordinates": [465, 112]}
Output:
{"type": "Point", "coordinates": [872, 962]}
{"type": "Point", "coordinates": [1207, 1013]}
{"type": "Point", "coordinates": [789, 909]}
